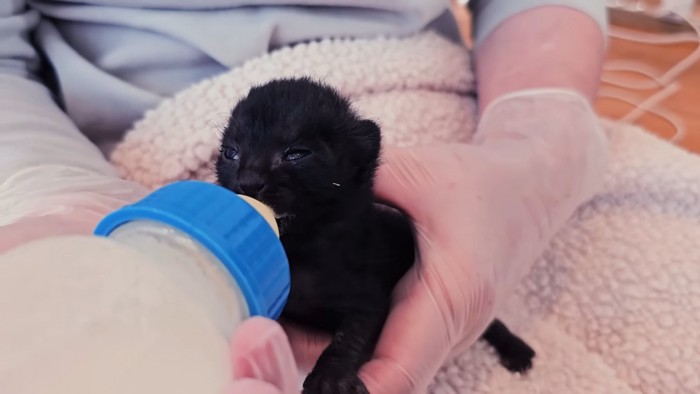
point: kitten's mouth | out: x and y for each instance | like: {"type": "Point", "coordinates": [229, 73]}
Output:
{"type": "Point", "coordinates": [279, 213]}
{"type": "Point", "coordinates": [283, 221]}
{"type": "Point", "coordinates": [273, 202]}
{"type": "Point", "coordinates": [282, 215]}
{"type": "Point", "coordinates": [279, 205]}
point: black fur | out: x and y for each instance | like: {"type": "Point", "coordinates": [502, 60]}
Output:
{"type": "Point", "coordinates": [297, 146]}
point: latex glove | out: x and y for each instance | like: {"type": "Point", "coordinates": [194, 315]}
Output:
{"type": "Point", "coordinates": [54, 200]}
{"type": "Point", "coordinates": [483, 212]}
{"type": "Point", "coordinates": [262, 359]}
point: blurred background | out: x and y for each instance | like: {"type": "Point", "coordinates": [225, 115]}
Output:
{"type": "Point", "coordinates": [652, 73]}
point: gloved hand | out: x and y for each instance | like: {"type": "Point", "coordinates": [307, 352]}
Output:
{"type": "Point", "coordinates": [54, 182]}
{"type": "Point", "coordinates": [483, 212]}
{"type": "Point", "coordinates": [56, 200]}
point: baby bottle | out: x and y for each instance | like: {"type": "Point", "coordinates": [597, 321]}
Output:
{"type": "Point", "coordinates": [148, 304]}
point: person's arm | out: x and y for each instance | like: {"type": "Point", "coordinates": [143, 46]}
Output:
{"type": "Point", "coordinates": [539, 152]}
{"type": "Point", "coordinates": [52, 179]}
{"type": "Point", "coordinates": [538, 44]}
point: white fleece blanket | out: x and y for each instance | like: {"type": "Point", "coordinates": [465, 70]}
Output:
{"type": "Point", "coordinates": [613, 306]}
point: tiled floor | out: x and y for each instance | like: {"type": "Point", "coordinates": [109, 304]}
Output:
{"type": "Point", "coordinates": [685, 102]}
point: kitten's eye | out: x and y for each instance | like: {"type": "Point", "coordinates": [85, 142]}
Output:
{"type": "Point", "coordinates": [296, 154]}
{"type": "Point", "coordinates": [230, 153]}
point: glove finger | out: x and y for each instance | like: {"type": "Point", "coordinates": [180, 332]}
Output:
{"type": "Point", "coordinates": [252, 386]}
{"type": "Point", "coordinates": [29, 229]}
{"type": "Point", "coordinates": [260, 350]}
{"type": "Point", "coordinates": [307, 345]}
{"type": "Point", "coordinates": [413, 345]}
{"type": "Point", "coordinates": [400, 179]}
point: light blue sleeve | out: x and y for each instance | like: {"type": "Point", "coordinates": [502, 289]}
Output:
{"type": "Point", "coordinates": [110, 61]}
{"type": "Point", "coordinates": [488, 14]}
{"type": "Point", "coordinates": [113, 60]}
{"type": "Point", "coordinates": [33, 129]}
{"type": "Point", "coordinates": [17, 56]}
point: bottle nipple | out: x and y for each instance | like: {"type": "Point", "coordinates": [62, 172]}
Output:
{"type": "Point", "coordinates": [266, 212]}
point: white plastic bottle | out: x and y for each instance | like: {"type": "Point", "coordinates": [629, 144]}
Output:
{"type": "Point", "coordinates": [146, 306]}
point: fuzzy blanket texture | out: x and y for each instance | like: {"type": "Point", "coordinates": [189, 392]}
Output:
{"type": "Point", "coordinates": [612, 306]}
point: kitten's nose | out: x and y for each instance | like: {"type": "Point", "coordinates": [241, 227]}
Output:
{"type": "Point", "coordinates": [251, 188]}
{"type": "Point", "coordinates": [250, 183]}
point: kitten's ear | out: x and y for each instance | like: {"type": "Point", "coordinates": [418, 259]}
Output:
{"type": "Point", "coordinates": [369, 137]}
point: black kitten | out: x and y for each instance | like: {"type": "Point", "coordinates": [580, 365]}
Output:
{"type": "Point", "coordinates": [297, 146]}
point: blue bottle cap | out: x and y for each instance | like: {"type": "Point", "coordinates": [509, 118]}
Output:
{"type": "Point", "coordinates": [229, 228]}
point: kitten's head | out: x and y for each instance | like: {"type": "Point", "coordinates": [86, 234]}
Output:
{"type": "Point", "coordinates": [297, 146]}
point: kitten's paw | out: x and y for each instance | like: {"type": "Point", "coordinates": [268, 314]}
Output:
{"type": "Point", "coordinates": [334, 382]}
{"type": "Point", "coordinates": [517, 356]}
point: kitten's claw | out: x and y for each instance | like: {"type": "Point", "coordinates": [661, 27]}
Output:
{"type": "Point", "coordinates": [334, 382]}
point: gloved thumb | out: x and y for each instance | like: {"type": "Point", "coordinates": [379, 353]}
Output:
{"type": "Point", "coordinates": [261, 352]}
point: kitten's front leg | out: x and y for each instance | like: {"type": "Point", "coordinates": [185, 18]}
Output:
{"type": "Point", "coordinates": [515, 354]}
{"type": "Point", "coordinates": [352, 345]}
